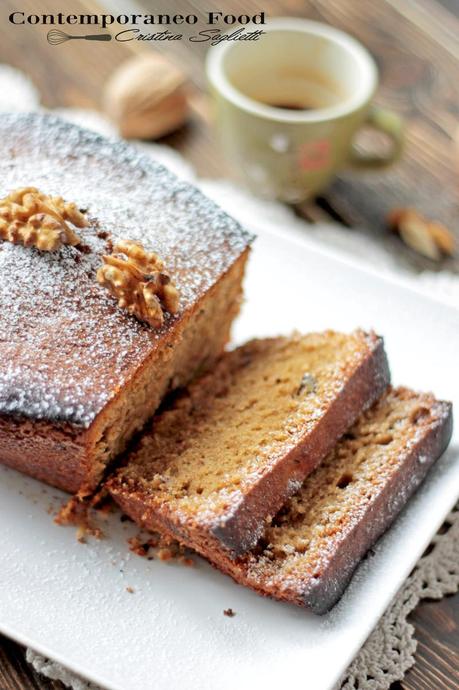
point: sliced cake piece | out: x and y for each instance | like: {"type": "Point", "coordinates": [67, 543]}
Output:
{"type": "Point", "coordinates": [311, 549]}
{"type": "Point", "coordinates": [221, 460]}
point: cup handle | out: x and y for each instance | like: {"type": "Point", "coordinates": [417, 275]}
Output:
{"type": "Point", "coordinates": [389, 123]}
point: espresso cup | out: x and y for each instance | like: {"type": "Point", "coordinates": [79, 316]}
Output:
{"type": "Point", "coordinates": [288, 107]}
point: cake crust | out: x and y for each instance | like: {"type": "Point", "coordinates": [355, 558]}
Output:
{"type": "Point", "coordinates": [237, 529]}
{"type": "Point", "coordinates": [69, 354]}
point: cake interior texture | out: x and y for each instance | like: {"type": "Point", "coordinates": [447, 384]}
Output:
{"type": "Point", "coordinates": [311, 548]}
{"type": "Point", "coordinates": [212, 446]}
{"type": "Point", "coordinates": [199, 343]}
{"type": "Point", "coordinates": [79, 376]}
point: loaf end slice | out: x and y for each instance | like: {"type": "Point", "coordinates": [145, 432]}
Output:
{"type": "Point", "coordinates": [310, 551]}
{"type": "Point", "coordinates": [219, 462]}
{"type": "Point", "coordinates": [80, 375]}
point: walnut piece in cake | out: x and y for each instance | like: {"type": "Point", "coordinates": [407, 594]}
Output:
{"type": "Point", "coordinates": [34, 219]}
{"type": "Point", "coordinates": [140, 282]}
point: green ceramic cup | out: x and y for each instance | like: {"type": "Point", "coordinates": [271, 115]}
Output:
{"type": "Point", "coordinates": [289, 105]}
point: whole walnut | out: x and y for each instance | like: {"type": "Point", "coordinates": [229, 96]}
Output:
{"type": "Point", "coordinates": [146, 97]}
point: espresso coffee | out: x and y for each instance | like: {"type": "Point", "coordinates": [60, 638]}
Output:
{"type": "Point", "coordinates": [295, 90]}
{"type": "Point", "coordinates": [291, 106]}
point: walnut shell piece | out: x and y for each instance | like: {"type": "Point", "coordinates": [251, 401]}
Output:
{"type": "Point", "coordinates": [139, 281]}
{"type": "Point", "coordinates": [31, 218]}
{"type": "Point", "coordinates": [429, 238]}
{"type": "Point", "coordinates": [147, 97]}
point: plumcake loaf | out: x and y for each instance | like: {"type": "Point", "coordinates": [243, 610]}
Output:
{"type": "Point", "coordinates": [79, 375]}
{"type": "Point", "coordinates": [226, 454]}
{"type": "Point", "coordinates": [311, 549]}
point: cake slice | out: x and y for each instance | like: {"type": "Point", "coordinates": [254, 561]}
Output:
{"type": "Point", "coordinates": [215, 466]}
{"type": "Point", "coordinates": [79, 375]}
{"type": "Point", "coordinates": [312, 547]}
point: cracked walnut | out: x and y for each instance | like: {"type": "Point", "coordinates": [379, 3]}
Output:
{"type": "Point", "coordinates": [31, 218]}
{"type": "Point", "coordinates": [139, 281]}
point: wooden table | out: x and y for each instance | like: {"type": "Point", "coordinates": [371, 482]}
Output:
{"type": "Point", "coordinates": [415, 44]}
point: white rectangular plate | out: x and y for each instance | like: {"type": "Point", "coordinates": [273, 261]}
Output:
{"type": "Point", "coordinates": [70, 602]}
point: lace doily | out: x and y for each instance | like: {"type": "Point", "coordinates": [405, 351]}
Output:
{"type": "Point", "coordinates": [389, 651]}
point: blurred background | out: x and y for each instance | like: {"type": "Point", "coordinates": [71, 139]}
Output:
{"type": "Point", "coordinates": [415, 44]}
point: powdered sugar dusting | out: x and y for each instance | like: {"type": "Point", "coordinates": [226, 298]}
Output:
{"type": "Point", "coordinates": [66, 348]}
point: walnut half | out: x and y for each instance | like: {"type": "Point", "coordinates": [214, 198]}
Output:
{"type": "Point", "coordinates": [31, 218]}
{"type": "Point", "coordinates": [139, 281]}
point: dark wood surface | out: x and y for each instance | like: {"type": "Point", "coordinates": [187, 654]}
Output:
{"type": "Point", "coordinates": [416, 47]}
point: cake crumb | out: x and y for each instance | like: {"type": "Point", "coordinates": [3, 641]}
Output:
{"type": "Point", "coordinates": [229, 613]}
{"type": "Point", "coordinates": [137, 546]}
{"type": "Point", "coordinates": [185, 560]}
{"type": "Point", "coordinates": [81, 513]}
{"type": "Point", "coordinates": [165, 554]}
{"type": "Point", "coordinates": [164, 548]}
{"type": "Point", "coordinates": [140, 545]}
{"type": "Point", "coordinates": [87, 530]}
